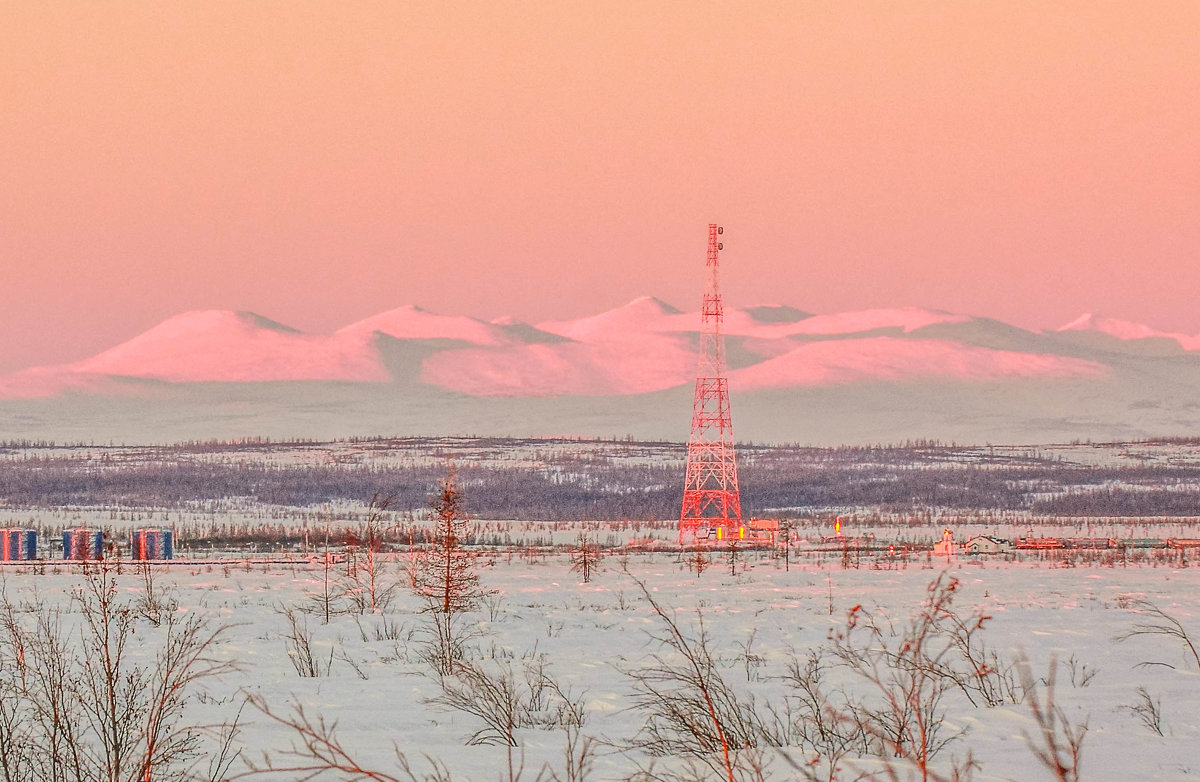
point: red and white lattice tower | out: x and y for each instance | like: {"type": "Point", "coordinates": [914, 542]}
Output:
{"type": "Point", "coordinates": [711, 498]}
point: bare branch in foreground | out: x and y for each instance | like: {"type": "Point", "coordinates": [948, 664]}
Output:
{"type": "Point", "coordinates": [1058, 744]}
{"type": "Point", "coordinates": [1163, 624]}
{"type": "Point", "coordinates": [316, 750]}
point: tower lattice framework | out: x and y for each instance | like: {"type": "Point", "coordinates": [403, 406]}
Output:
{"type": "Point", "coordinates": [711, 497]}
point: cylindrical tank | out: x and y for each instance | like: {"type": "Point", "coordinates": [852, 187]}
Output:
{"type": "Point", "coordinates": [18, 545]}
{"type": "Point", "coordinates": [152, 544]}
{"type": "Point", "coordinates": [83, 543]}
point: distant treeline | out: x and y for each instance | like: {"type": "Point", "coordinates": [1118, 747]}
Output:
{"type": "Point", "coordinates": [602, 480]}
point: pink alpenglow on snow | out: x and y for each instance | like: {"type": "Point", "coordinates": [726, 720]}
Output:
{"type": "Point", "coordinates": [888, 359]}
{"type": "Point", "coordinates": [1127, 330]}
{"type": "Point", "coordinates": [633, 349]}
{"type": "Point", "coordinates": [898, 373]}
{"type": "Point", "coordinates": [411, 322]}
{"type": "Point", "coordinates": [637, 364]}
{"type": "Point", "coordinates": [237, 347]}
{"type": "Point", "coordinates": [905, 319]}
{"type": "Point", "coordinates": [641, 347]}
{"type": "Point", "coordinates": [774, 322]}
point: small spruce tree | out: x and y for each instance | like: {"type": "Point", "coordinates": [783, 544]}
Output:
{"type": "Point", "coordinates": [585, 556]}
{"type": "Point", "coordinates": [445, 575]}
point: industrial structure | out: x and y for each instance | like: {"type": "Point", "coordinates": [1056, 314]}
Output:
{"type": "Point", "coordinates": [151, 544]}
{"type": "Point", "coordinates": [18, 545]}
{"type": "Point", "coordinates": [712, 502]}
{"type": "Point", "coordinates": [83, 543]}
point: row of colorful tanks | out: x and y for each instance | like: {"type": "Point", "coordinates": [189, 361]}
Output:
{"type": "Point", "coordinates": [83, 543]}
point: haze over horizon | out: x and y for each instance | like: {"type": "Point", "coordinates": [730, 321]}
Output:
{"type": "Point", "coordinates": [318, 164]}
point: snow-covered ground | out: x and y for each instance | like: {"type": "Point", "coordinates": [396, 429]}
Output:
{"type": "Point", "coordinates": [590, 636]}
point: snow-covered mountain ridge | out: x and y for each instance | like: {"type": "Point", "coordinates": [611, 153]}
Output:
{"type": "Point", "coordinates": [880, 373]}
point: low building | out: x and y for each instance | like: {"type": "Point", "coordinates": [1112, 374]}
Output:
{"type": "Point", "coordinates": [986, 544]}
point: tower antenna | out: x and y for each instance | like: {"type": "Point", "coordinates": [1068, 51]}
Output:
{"type": "Point", "coordinates": [711, 498]}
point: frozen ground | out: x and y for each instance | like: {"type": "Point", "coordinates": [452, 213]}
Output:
{"type": "Point", "coordinates": [591, 635]}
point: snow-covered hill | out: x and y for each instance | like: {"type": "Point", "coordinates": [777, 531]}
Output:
{"type": "Point", "coordinates": [867, 376]}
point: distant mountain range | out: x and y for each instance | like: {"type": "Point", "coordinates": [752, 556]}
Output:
{"type": "Point", "coordinates": [880, 375]}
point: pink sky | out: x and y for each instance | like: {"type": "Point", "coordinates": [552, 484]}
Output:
{"type": "Point", "coordinates": [318, 163]}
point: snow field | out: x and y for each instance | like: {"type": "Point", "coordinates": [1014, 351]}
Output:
{"type": "Point", "coordinates": [589, 635]}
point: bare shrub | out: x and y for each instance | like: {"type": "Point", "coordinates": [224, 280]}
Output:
{"type": "Point", "coordinates": [1148, 711]}
{"type": "Point", "coordinates": [493, 603]}
{"type": "Point", "coordinates": [978, 670]}
{"type": "Point", "coordinates": [732, 549]}
{"type": "Point", "coordinates": [17, 724]}
{"type": "Point", "coordinates": [691, 710]}
{"type": "Point", "coordinates": [1081, 675]}
{"type": "Point", "coordinates": [501, 700]}
{"type": "Point", "coordinates": [443, 640]}
{"type": "Point", "coordinates": [386, 628]}
{"type": "Point", "coordinates": [316, 750]}
{"type": "Point", "coordinates": [829, 730]}
{"type": "Point", "coordinates": [751, 661]}
{"type": "Point", "coordinates": [579, 756]}
{"type": "Point", "coordinates": [910, 672]}
{"type": "Point", "coordinates": [153, 602]}
{"type": "Point", "coordinates": [298, 640]}
{"type": "Point", "coordinates": [1058, 743]}
{"type": "Point", "coordinates": [492, 698]}
{"type": "Point", "coordinates": [1160, 623]}
{"type": "Point", "coordinates": [367, 588]}
{"type": "Point", "coordinates": [360, 669]}
{"type": "Point", "coordinates": [332, 597]}
{"type": "Point", "coordinates": [505, 702]}
{"type": "Point", "coordinates": [78, 705]}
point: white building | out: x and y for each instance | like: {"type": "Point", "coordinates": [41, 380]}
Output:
{"type": "Point", "coordinates": [986, 544]}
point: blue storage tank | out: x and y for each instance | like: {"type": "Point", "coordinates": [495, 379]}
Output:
{"type": "Point", "coordinates": [151, 544]}
{"type": "Point", "coordinates": [83, 543]}
{"type": "Point", "coordinates": [18, 545]}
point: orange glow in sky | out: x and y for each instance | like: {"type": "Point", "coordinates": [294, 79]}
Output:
{"type": "Point", "coordinates": [320, 162]}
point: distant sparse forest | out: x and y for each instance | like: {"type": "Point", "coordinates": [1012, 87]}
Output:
{"type": "Point", "coordinates": [593, 480]}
